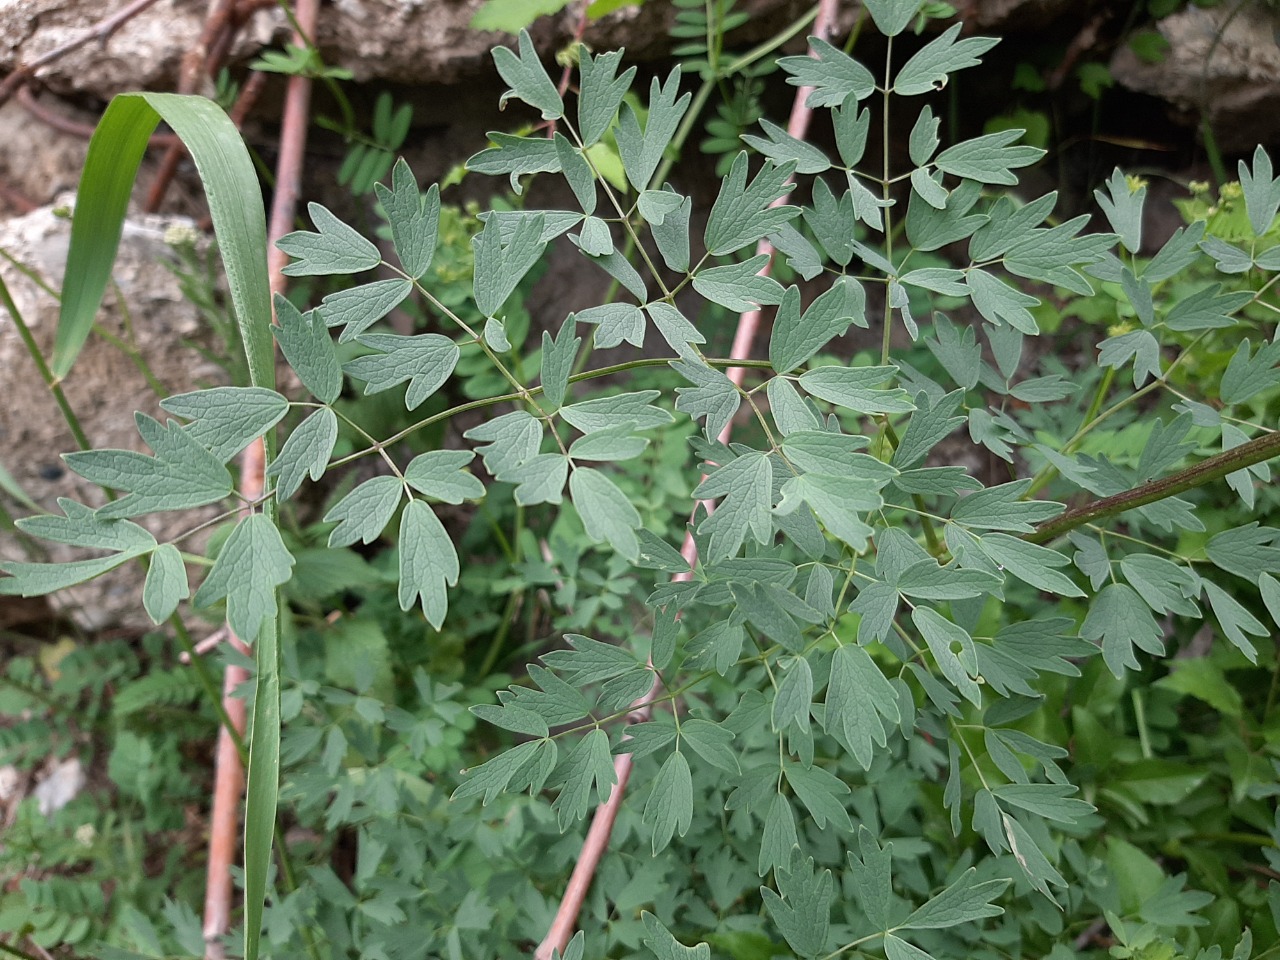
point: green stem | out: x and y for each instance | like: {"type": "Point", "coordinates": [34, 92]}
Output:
{"type": "Point", "coordinates": [73, 422]}
{"type": "Point", "coordinates": [1215, 468]}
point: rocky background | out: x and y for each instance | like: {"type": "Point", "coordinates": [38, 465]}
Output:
{"type": "Point", "coordinates": [1160, 82]}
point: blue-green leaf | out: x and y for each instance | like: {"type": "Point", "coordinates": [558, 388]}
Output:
{"type": "Point", "coordinates": [251, 564]}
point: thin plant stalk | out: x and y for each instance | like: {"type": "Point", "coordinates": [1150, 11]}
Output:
{"type": "Point", "coordinates": [597, 839]}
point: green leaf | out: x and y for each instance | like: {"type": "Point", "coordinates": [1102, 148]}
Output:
{"type": "Point", "coordinates": [500, 267]}
{"type": "Point", "coordinates": [711, 742]}
{"type": "Point", "coordinates": [426, 361]}
{"type": "Point", "coordinates": [822, 793]}
{"type": "Point", "coordinates": [182, 474]}
{"type": "Point", "coordinates": [666, 947]}
{"type": "Point", "coordinates": [1246, 376]}
{"type": "Point", "coordinates": [166, 583]}
{"type": "Point", "coordinates": [513, 438]}
{"type": "Point", "coordinates": [589, 763]}
{"type": "Point", "coordinates": [601, 93]}
{"type": "Point", "coordinates": [927, 580]}
{"type": "Point", "coordinates": [1236, 621]}
{"type": "Point", "coordinates": [578, 172]}
{"type": "Point", "coordinates": [613, 444]}
{"type": "Point", "coordinates": [491, 777]}
{"type": "Point", "coordinates": [641, 152]}
{"type": "Point", "coordinates": [779, 836]}
{"type": "Point", "coordinates": [235, 206]}
{"type": "Point", "coordinates": [738, 286]}
{"type": "Point", "coordinates": [713, 398]}
{"type": "Point", "coordinates": [1138, 344]}
{"type": "Point", "coordinates": [963, 901]}
{"type": "Point", "coordinates": [595, 240]}
{"type": "Point", "coordinates": [1248, 551]}
{"type": "Point", "coordinates": [620, 268]}
{"type": "Point", "coordinates": [510, 16]}
{"type": "Point", "coordinates": [262, 791]}
{"type": "Point", "coordinates": [817, 451]}
{"type": "Point", "coordinates": [999, 303]}
{"type": "Point", "coordinates": [746, 486]}
{"type": "Point", "coordinates": [1208, 309]}
{"type": "Point", "coordinates": [1053, 801]}
{"type": "Point", "coordinates": [672, 235]}
{"type": "Point", "coordinates": [797, 337]}
{"type": "Point", "coordinates": [1227, 257]}
{"type": "Point", "coordinates": [1002, 508]}
{"type": "Point", "coordinates": [540, 479]}
{"type": "Point", "coordinates": [794, 696]}
{"type": "Point", "coordinates": [989, 158]}
{"type": "Point", "coordinates": [364, 512]}
{"type": "Point", "coordinates": [440, 474]}
{"type": "Point", "coordinates": [803, 912]}
{"type": "Point", "coordinates": [251, 564]}
{"type": "Point", "coordinates": [558, 356]}
{"type": "Point", "coordinates": [833, 75]}
{"type": "Point", "coordinates": [892, 16]}
{"type": "Point", "coordinates": [858, 696]}
{"type": "Point", "coordinates": [1202, 678]}
{"type": "Point", "coordinates": [742, 213]}
{"type": "Point", "coordinates": [1120, 619]}
{"type": "Point", "coordinates": [603, 413]}
{"type": "Point", "coordinates": [952, 649]}
{"type": "Point", "coordinates": [929, 68]}
{"type": "Point", "coordinates": [655, 205]}
{"type": "Point", "coordinates": [1164, 586]}
{"type": "Point", "coordinates": [359, 308]}
{"type": "Point", "coordinates": [336, 249]}
{"type": "Point", "coordinates": [1270, 596]}
{"type": "Point", "coordinates": [669, 808]}
{"type": "Point", "coordinates": [306, 452]}
{"type": "Point", "coordinates": [528, 79]}
{"type": "Point", "coordinates": [836, 500]}
{"type": "Point", "coordinates": [414, 218]}
{"type": "Point", "coordinates": [617, 322]}
{"type": "Point", "coordinates": [895, 948]}
{"type": "Point", "coordinates": [1123, 208]}
{"type": "Point", "coordinates": [606, 512]}
{"type": "Point", "coordinates": [515, 156]}
{"type": "Point", "coordinates": [781, 147]}
{"type": "Point", "coordinates": [855, 388]}
{"type": "Point", "coordinates": [1030, 563]}
{"type": "Point", "coordinates": [428, 562]}
{"type": "Point", "coordinates": [37, 579]}
{"type": "Point", "coordinates": [226, 419]}
{"type": "Point", "coordinates": [83, 527]}
{"type": "Point", "coordinates": [1261, 191]}
{"type": "Point", "coordinates": [871, 875]}
{"type": "Point", "coordinates": [307, 346]}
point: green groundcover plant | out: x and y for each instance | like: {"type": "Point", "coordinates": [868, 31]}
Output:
{"type": "Point", "coordinates": [877, 694]}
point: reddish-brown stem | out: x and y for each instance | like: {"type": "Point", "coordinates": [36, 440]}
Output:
{"type": "Point", "coordinates": [224, 821]}
{"type": "Point", "coordinates": [27, 100]}
{"type": "Point", "coordinates": [101, 31]}
{"type": "Point", "coordinates": [597, 839]}
{"type": "Point", "coordinates": [247, 97]}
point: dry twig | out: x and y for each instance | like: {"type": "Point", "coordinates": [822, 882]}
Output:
{"type": "Point", "coordinates": [597, 839]}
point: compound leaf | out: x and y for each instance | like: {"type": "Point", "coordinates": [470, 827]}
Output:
{"type": "Point", "coordinates": [251, 564]}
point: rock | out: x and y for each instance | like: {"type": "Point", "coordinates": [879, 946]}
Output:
{"type": "Point", "coordinates": [1016, 16]}
{"type": "Point", "coordinates": [1223, 62]}
{"type": "Point", "coordinates": [104, 388]}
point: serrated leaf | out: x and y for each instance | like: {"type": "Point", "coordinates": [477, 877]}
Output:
{"type": "Point", "coordinates": [615, 323]}
{"type": "Point", "coordinates": [892, 16]}
{"type": "Point", "coordinates": [309, 349]}
{"type": "Point", "coordinates": [540, 479]}
{"type": "Point", "coordinates": [606, 512]}
{"type": "Point", "coordinates": [669, 808]}
{"type": "Point", "coordinates": [797, 337]}
{"type": "Point", "coordinates": [425, 361]}
{"type": "Point", "coordinates": [746, 486]}
{"type": "Point", "coordinates": [963, 901]}
{"type": "Point", "coordinates": [306, 452]}
{"type": "Point", "coordinates": [832, 74]}
{"type": "Point", "coordinates": [166, 583]}
{"type": "Point", "coordinates": [601, 93]}
{"type": "Point", "coordinates": [226, 419]}
{"type": "Point", "coordinates": [1120, 620]}
{"type": "Point", "coordinates": [440, 474]}
{"type": "Point", "coordinates": [589, 763]}
{"type": "Point", "coordinates": [803, 912]}
{"type": "Point", "coordinates": [989, 158]}
{"type": "Point", "coordinates": [858, 696]}
{"type": "Point", "coordinates": [856, 389]}
{"type": "Point", "coordinates": [364, 512]}
{"type": "Point", "coordinates": [780, 147]}
{"type": "Point", "coordinates": [929, 68]}
{"type": "Point", "coordinates": [251, 565]}
{"type": "Point", "coordinates": [602, 413]}
{"type": "Point", "coordinates": [664, 946]}
{"type": "Point", "coordinates": [81, 526]}
{"type": "Point", "coordinates": [414, 218]}
{"type": "Point", "coordinates": [428, 562]}
{"type": "Point", "coordinates": [499, 267]}
{"type": "Point", "coordinates": [738, 286]}
{"type": "Point", "coordinates": [741, 214]}
{"type": "Point", "coordinates": [642, 152]}
{"type": "Point", "coordinates": [361, 307]}
{"type": "Point", "coordinates": [336, 249]}
{"type": "Point", "coordinates": [1138, 344]}
{"type": "Point", "coordinates": [182, 474]}
{"type": "Point", "coordinates": [528, 78]}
